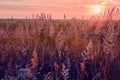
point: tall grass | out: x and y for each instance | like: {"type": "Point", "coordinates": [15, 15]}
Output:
{"type": "Point", "coordinates": [44, 49]}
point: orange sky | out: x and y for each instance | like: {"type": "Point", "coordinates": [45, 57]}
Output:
{"type": "Point", "coordinates": [57, 8]}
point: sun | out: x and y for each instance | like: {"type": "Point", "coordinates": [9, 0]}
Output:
{"type": "Point", "coordinates": [96, 9]}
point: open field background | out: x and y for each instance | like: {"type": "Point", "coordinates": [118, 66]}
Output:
{"type": "Point", "coordinates": [46, 49]}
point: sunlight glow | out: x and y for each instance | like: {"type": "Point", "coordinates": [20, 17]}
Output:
{"type": "Point", "coordinates": [97, 9]}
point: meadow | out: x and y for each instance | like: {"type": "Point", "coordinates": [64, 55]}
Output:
{"type": "Point", "coordinates": [45, 49]}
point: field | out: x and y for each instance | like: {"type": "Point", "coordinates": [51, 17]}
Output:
{"type": "Point", "coordinates": [46, 49]}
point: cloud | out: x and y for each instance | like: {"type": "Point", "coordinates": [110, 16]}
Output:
{"type": "Point", "coordinates": [57, 7]}
{"type": "Point", "coordinates": [10, 7]}
{"type": "Point", "coordinates": [9, 0]}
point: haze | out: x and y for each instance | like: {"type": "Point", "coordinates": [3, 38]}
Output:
{"type": "Point", "coordinates": [57, 8]}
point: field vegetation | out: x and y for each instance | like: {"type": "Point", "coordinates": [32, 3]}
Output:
{"type": "Point", "coordinates": [44, 49]}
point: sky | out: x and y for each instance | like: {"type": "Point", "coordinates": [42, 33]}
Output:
{"type": "Point", "coordinates": [57, 8]}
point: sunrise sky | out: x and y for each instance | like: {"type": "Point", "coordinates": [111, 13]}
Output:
{"type": "Point", "coordinates": [57, 8]}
